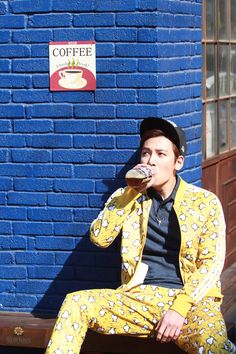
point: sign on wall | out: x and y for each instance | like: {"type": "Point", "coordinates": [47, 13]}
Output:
{"type": "Point", "coordinates": [72, 66]}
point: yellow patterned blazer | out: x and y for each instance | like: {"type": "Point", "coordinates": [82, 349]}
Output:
{"type": "Point", "coordinates": [202, 227]}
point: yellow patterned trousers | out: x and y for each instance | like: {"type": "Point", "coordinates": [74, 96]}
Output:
{"type": "Point", "coordinates": [136, 313]}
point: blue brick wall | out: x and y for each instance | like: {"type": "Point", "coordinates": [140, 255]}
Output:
{"type": "Point", "coordinates": [63, 153]}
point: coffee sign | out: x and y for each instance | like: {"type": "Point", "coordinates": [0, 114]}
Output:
{"type": "Point", "coordinates": [72, 66]}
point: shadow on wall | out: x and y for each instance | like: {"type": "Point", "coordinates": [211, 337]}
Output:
{"type": "Point", "coordinates": [88, 266]}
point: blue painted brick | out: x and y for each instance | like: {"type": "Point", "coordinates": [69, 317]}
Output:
{"type": "Point", "coordinates": [4, 155]}
{"type": "Point", "coordinates": [15, 198]}
{"type": "Point", "coordinates": [115, 96]}
{"type": "Point", "coordinates": [4, 37]}
{"type": "Point", "coordinates": [73, 156]}
{"type": "Point", "coordinates": [148, 65]}
{"type": "Point", "coordinates": [32, 36]}
{"type": "Point", "coordinates": [107, 186]}
{"type": "Point", "coordinates": [116, 35]}
{"type": "Point", "coordinates": [98, 200]}
{"type": "Point", "coordinates": [142, 111]}
{"type": "Point", "coordinates": [106, 81]}
{"type": "Point", "coordinates": [77, 258]}
{"type": "Point", "coordinates": [12, 111]}
{"type": "Point", "coordinates": [15, 81]}
{"type": "Point", "coordinates": [94, 20]}
{"type": "Point", "coordinates": [104, 50]}
{"type": "Point", "coordinates": [3, 8]}
{"type": "Point", "coordinates": [67, 200]}
{"type": "Point", "coordinates": [145, 5]}
{"type": "Point", "coordinates": [45, 272]}
{"type": "Point", "coordinates": [34, 258]}
{"type": "Point", "coordinates": [14, 243]}
{"type": "Point", "coordinates": [21, 6]}
{"type": "Point", "coordinates": [5, 65]}
{"type": "Point", "coordinates": [137, 50]}
{"type": "Point", "coordinates": [76, 97]}
{"type": "Point", "coordinates": [5, 126]}
{"type": "Point", "coordinates": [52, 141]}
{"type": "Point", "coordinates": [39, 50]}
{"type": "Point", "coordinates": [5, 96]}
{"type": "Point", "coordinates": [32, 228]}
{"type": "Point", "coordinates": [148, 19]}
{"type": "Point", "coordinates": [33, 184]}
{"type": "Point", "coordinates": [74, 186]}
{"type": "Point", "coordinates": [12, 272]}
{"type": "Point", "coordinates": [15, 170]}
{"type": "Point", "coordinates": [115, 157]}
{"type": "Point", "coordinates": [86, 215]}
{"type": "Point", "coordinates": [137, 80]}
{"type": "Point", "coordinates": [7, 286]}
{"type": "Point", "coordinates": [128, 141]}
{"type": "Point", "coordinates": [12, 21]}
{"type": "Point", "coordinates": [50, 20]}
{"type": "Point", "coordinates": [33, 126]}
{"type": "Point", "coordinates": [71, 229]}
{"type": "Point", "coordinates": [40, 81]}
{"type": "Point", "coordinates": [91, 111]}
{"type": "Point", "coordinates": [11, 302]}
{"type": "Point", "coordinates": [14, 51]}
{"type": "Point", "coordinates": [98, 142]}
{"type": "Point", "coordinates": [6, 184]}
{"type": "Point", "coordinates": [52, 170]}
{"type": "Point", "coordinates": [30, 65]}
{"type": "Point", "coordinates": [49, 110]}
{"type": "Point", "coordinates": [93, 273]}
{"type": "Point", "coordinates": [72, 5]}
{"type": "Point", "coordinates": [54, 243]}
{"type": "Point", "coordinates": [10, 213]}
{"type": "Point", "coordinates": [73, 34]}
{"type": "Point", "coordinates": [148, 35]}
{"type": "Point", "coordinates": [30, 156]}
{"type": "Point", "coordinates": [148, 96]}
{"type": "Point", "coordinates": [72, 126]}
{"type": "Point", "coordinates": [116, 65]}
{"type": "Point", "coordinates": [94, 171]}
{"type": "Point", "coordinates": [5, 228]}
{"type": "Point", "coordinates": [49, 214]}
{"type": "Point", "coordinates": [6, 258]}
{"type": "Point", "coordinates": [9, 140]}
{"type": "Point", "coordinates": [32, 287]}
{"type": "Point", "coordinates": [27, 96]}
{"type": "Point", "coordinates": [115, 5]}
{"type": "Point", "coordinates": [117, 126]}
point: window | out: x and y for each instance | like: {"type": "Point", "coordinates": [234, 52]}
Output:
{"type": "Point", "coordinates": [219, 76]}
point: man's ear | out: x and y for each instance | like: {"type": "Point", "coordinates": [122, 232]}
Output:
{"type": "Point", "coordinates": [179, 163]}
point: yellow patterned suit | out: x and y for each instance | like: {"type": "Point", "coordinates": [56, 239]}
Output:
{"type": "Point", "coordinates": [135, 309]}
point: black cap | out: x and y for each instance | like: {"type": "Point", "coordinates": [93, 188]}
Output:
{"type": "Point", "coordinates": [170, 130]}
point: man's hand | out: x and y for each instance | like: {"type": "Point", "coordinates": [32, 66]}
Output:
{"type": "Point", "coordinates": [169, 326]}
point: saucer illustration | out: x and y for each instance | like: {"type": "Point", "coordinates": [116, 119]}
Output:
{"type": "Point", "coordinates": [72, 85]}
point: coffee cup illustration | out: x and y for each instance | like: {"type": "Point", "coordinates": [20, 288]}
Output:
{"type": "Point", "coordinates": [71, 78]}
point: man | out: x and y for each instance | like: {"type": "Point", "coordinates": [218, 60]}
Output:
{"type": "Point", "coordinates": [173, 249]}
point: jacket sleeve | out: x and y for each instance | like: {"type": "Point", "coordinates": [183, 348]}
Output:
{"type": "Point", "coordinates": [105, 228]}
{"type": "Point", "coordinates": [209, 262]}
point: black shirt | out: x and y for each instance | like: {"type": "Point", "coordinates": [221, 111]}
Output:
{"type": "Point", "coordinates": [161, 250]}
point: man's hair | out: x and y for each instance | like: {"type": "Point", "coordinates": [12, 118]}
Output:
{"type": "Point", "coordinates": [153, 133]}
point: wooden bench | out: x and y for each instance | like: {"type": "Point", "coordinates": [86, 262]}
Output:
{"type": "Point", "coordinates": [25, 330]}
{"type": "Point", "coordinates": [19, 329]}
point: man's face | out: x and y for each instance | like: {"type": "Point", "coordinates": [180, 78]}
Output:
{"type": "Point", "coordinates": [157, 153]}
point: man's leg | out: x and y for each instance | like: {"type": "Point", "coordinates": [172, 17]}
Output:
{"type": "Point", "coordinates": [205, 331]}
{"type": "Point", "coordinates": [133, 313]}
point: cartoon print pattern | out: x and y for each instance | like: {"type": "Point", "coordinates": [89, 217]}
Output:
{"type": "Point", "coordinates": [202, 226]}
{"type": "Point", "coordinates": [136, 313]}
